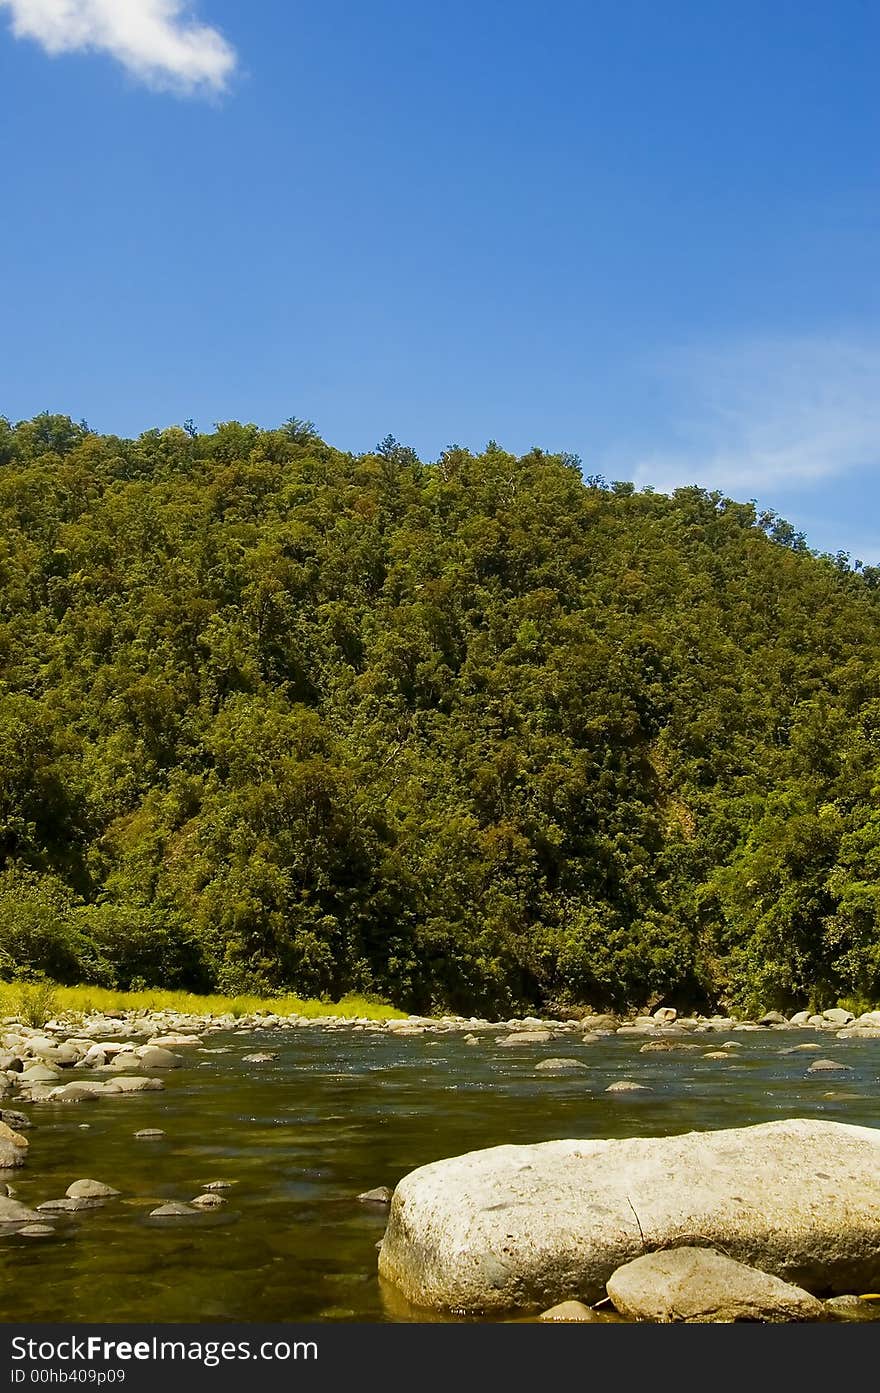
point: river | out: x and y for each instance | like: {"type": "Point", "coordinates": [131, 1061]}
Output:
{"type": "Point", "coordinates": [336, 1113]}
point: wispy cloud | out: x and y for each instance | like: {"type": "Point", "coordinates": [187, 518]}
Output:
{"type": "Point", "coordinates": [757, 415]}
{"type": "Point", "coordinates": [157, 41]}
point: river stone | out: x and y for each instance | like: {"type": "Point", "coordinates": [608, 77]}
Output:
{"type": "Point", "coordinates": [133, 1083]}
{"type": "Point", "coordinates": [90, 1190]}
{"type": "Point", "coordinates": [772, 1018]}
{"type": "Point", "coordinates": [79, 1092]}
{"type": "Point", "coordinates": [600, 1022]}
{"type": "Point", "coordinates": [696, 1285]}
{"type": "Point", "coordinates": [665, 1014]}
{"type": "Point", "coordinates": [851, 1308]}
{"type": "Point", "coordinates": [13, 1212]}
{"type": "Point", "coordinates": [799, 1018]}
{"type": "Point", "coordinates": [717, 1054]}
{"type": "Point", "coordinates": [219, 1185]}
{"type": "Point", "coordinates": [208, 1201]}
{"type": "Point", "coordinates": [628, 1086]}
{"type": "Point", "coordinates": [525, 1037]}
{"type": "Point", "coordinates": [829, 1066]}
{"type": "Point", "coordinates": [67, 1205]}
{"type": "Point", "coordinates": [381, 1195]}
{"type": "Point", "coordinates": [837, 1016]}
{"type": "Point", "coordinates": [13, 1148]}
{"type": "Point", "coordinates": [174, 1210]}
{"type": "Point", "coordinates": [558, 1066]}
{"type": "Point", "coordinates": [19, 1121]}
{"type": "Point", "coordinates": [570, 1311]}
{"type": "Point", "coordinates": [175, 1042]}
{"type": "Point", "coordinates": [149, 1134]}
{"type": "Point", "coordinates": [36, 1231]}
{"type": "Point", "coordinates": [155, 1057]}
{"type": "Point", "coordinates": [261, 1057]}
{"type": "Point", "coordinates": [40, 1073]}
{"type": "Point", "coordinates": [528, 1226]}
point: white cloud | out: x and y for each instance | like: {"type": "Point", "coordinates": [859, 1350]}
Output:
{"type": "Point", "coordinates": [157, 41]}
{"type": "Point", "coordinates": [762, 414]}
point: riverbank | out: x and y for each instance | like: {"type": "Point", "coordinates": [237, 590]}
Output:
{"type": "Point", "coordinates": [29, 1000]}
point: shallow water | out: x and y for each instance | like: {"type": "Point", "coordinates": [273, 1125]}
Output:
{"type": "Point", "coordinates": [339, 1112]}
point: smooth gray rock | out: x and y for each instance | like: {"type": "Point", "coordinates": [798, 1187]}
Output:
{"type": "Point", "coordinates": [837, 1016]}
{"type": "Point", "coordinates": [261, 1057]}
{"type": "Point", "coordinates": [529, 1226]}
{"type": "Point", "coordinates": [132, 1083]}
{"type": "Point", "coordinates": [208, 1201]}
{"type": "Point", "coordinates": [90, 1190]}
{"type": "Point", "coordinates": [628, 1086]}
{"type": "Point", "coordinates": [155, 1057]}
{"type": "Point", "coordinates": [696, 1285]}
{"type": "Point", "coordinates": [40, 1073]}
{"type": "Point", "coordinates": [829, 1066]}
{"type": "Point", "coordinates": [149, 1134]}
{"type": "Point", "coordinates": [13, 1212]}
{"type": "Point", "coordinates": [174, 1210]}
{"type": "Point", "coordinates": [36, 1231]}
{"type": "Point", "coordinates": [559, 1066]}
{"type": "Point", "coordinates": [67, 1205]}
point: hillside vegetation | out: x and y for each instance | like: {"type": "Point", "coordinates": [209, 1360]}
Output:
{"type": "Point", "coordinates": [477, 734]}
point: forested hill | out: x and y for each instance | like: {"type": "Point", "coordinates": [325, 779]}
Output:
{"type": "Point", "coordinates": [477, 734]}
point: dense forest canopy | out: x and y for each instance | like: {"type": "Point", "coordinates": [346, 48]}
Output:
{"type": "Point", "coordinates": [477, 734]}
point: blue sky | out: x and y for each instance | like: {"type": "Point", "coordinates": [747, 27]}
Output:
{"type": "Point", "coordinates": [644, 233]}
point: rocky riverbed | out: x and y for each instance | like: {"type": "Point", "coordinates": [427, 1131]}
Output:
{"type": "Point", "coordinates": [147, 1152]}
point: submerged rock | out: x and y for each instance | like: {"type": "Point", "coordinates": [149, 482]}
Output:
{"type": "Point", "coordinates": [13, 1212]}
{"type": "Point", "coordinates": [68, 1205]}
{"type": "Point", "coordinates": [381, 1195]}
{"type": "Point", "coordinates": [829, 1066]}
{"type": "Point", "coordinates": [558, 1066]}
{"type": "Point", "coordinates": [696, 1285]}
{"type": "Point", "coordinates": [529, 1226]}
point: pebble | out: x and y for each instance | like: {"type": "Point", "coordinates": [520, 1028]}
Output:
{"type": "Point", "coordinates": [627, 1086]}
{"type": "Point", "coordinates": [149, 1134]}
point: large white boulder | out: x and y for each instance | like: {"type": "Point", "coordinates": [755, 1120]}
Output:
{"type": "Point", "coordinates": [525, 1227]}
